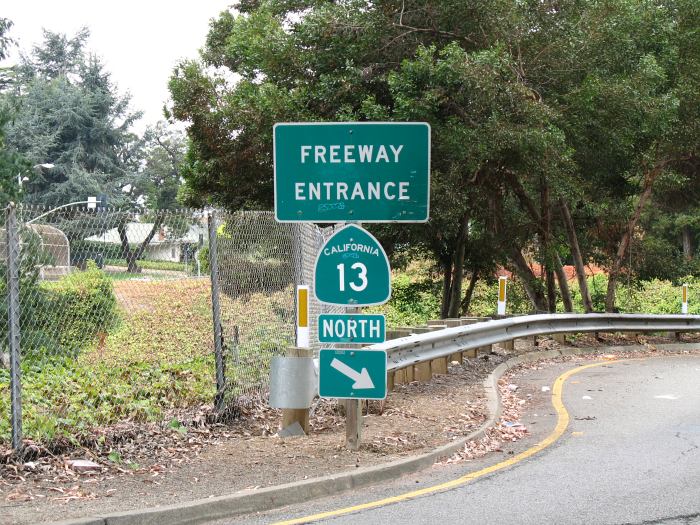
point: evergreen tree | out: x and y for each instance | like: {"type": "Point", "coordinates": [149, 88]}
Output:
{"type": "Point", "coordinates": [72, 121]}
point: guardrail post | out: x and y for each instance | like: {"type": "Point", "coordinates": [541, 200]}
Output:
{"type": "Point", "coordinates": [422, 372]}
{"type": "Point", "coordinates": [438, 366]}
{"type": "Point", "coordinates": [469, 353]}
{"type": "Point", "coordinates": [487, 349]}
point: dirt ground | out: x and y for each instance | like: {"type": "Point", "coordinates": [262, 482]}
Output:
{"type": "Point", "coordinates": [148, 465]}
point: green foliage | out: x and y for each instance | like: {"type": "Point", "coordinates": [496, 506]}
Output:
{"type": "Point", "coordinates": [529, 103]}
{"type": "Point", "coordinates": [485, 299]}
{"type": "Point", "coordinates": [163, 152]}
{"type": "Point", "coordinates": [82, 134]}
{"type": "Point", "coordinates": [413, 301]}
{"type": "Point", "coordinates": [67, 398]}
{"type": "Point", "coordinates": [75, 309]}
{"type": "Point", "coordinates": [653, 296]}
{"type": "Point", "coordinates": [203, 256]}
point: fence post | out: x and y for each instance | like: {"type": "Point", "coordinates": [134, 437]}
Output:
{"type": "Point", "coordinates": [13, 335]}
{"type": "Point", "coordinates": [216, 315]}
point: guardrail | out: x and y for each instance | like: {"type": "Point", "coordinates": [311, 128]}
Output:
{"type": "Point", "coordinates": [426, 347]}
{"type": "Point", "coordinates": [417, 357]}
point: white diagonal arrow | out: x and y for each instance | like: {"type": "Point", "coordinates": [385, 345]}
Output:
{"type": "Point", "coordinates": [362, 379]}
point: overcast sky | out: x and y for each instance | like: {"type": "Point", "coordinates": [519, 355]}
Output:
{"type": "Point", "coordinates": [139, 40]}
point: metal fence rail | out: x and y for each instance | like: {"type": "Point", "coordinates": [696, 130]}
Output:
{"type": "Point", "coordinates": [420, 348]}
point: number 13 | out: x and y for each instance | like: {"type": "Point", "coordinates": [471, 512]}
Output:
{"type": "Point", "coordinates": [362, 276]}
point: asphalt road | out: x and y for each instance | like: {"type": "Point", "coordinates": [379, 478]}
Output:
{"type": "Point", "coordinates": [630, 455]}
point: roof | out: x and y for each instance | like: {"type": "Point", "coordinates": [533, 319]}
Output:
{"type": "Point", "coordinates": [137, 232]}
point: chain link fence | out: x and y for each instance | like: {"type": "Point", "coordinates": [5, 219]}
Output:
{"type": "Point", "coordinates": [114, 316]}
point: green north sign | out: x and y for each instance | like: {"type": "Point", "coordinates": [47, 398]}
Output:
{"type": "Point", "coordinates": [352, 374]}
{"type": "Point", "coordinates": [351, 328]}
{"type": "Point", "coordinates": [352, 269]}
{"type": "Point", "coordinates": [352, 171]}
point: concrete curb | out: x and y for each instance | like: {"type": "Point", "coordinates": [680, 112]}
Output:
{"type": "Point", "coordinates": [245, 502]}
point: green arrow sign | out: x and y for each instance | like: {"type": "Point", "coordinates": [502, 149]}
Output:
{"type": "Point", "coordinates": [352, 171]}
{"type": "Point", "coordinates": [352, 374]}
{"type": "Point", "coordinates": [351, 328]}
{"type": "Point", "coordinates": [352, 269]}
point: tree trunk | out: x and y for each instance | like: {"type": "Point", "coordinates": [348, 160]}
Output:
{"type": "Point", "coordinates": [546, 232]}
{"type": "Point", "coordinates": [687, 235]}
{"type": "Point", "coordinates": [551, 290]}
{"type": "Point", "coordinates": [627, 238]}
{"type": "Point", "coordinates": [458, 268]}
{"type": "Point", "coordinates": [563, 284]}
{"type": "Point", "coordinates": [446, 287]}
{"type": "Point", "coordinates": [127, 253]}
{"type": "Point", "coordinates": [466, 303]}
{"type": "Point", "coordinates": [533, 286]}
{"type": "Point", "coordinates": [132, 256]}
{"type": "Point", "coordinates": [578, 259]}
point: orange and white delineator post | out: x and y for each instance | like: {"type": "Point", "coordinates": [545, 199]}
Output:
{"type": "Point", "coordinates": [303, 335]}
{"type": "Point", "coordinates": [502, 295]}
{"type": "Point", "coordinates": [684, 299]}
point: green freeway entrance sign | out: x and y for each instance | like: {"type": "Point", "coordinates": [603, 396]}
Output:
{"type": "Point", "coordinates": [352, 171]}
{"type": "Point", "coordinates": [352, 374]}
{"type": "Point", "coordinates": [352, 269]}
{"type": "Point", "coordinates": [351, 328]}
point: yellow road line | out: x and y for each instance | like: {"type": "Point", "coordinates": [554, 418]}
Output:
{"type": "Point", "coordinates": [562, 423]}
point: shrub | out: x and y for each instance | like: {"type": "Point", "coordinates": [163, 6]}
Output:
{"type": "Point", "coordinates": [72, 311]}
{"type": "Point", "coordinates": [412, 302]}
{"type": "Point", "coordinates": [203, 256]}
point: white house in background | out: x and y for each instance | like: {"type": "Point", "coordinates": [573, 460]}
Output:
{"type": "Point", "coordinates": [164, 246]}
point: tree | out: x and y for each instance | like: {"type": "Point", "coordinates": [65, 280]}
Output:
{"type": "Point", "coordinates": [438, 63]}
{"type": "Point", "coordinates": [12, 165]}
{"type": "Point", "coordinates": [164, 152]}
{"type": "Point", "coordinates": [156, 159]}
{"type": "Point", "coordinates": [71, 118]}
{"type": "Point", "coordinates": [552, 122]}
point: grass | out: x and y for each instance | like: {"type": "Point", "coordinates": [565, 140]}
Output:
{"type": "Point", "coordinates": [127, 276]}
{"type": "Point", "coordinates": [154, 265]}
